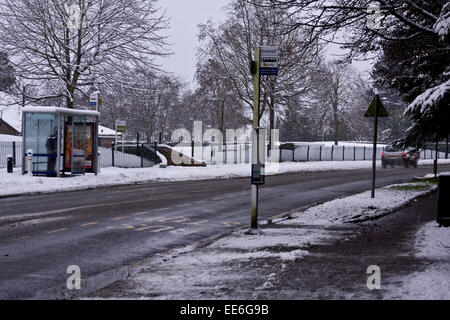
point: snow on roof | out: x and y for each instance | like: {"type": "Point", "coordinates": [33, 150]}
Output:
{"type": "Point", "coordinates": [104, 131]}
{"type": "Point", "coordinates": [61, 110]}
{"type": "Point", "coordinates": [10, 112]}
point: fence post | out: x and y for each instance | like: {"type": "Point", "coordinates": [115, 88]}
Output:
{"type": "Point", "coordinates": [281, 154]}
{"type": "Point", "coordinates": [156, 152]}
{"type": "Point", "coordinates": [14, 153]}
{"type": "Point", "coordinates": [293, 153]}
{"type": "Point", "coordinates": [320, 154]}
{"type": "Point", "coordinates": [240, 153]}
{"type": "Point", "coordinates": [235, 153]}
{"type": "Point", "coordinates": [364, 157]}
{"type": "Point", "coordinates": [142, 155]}
{"type": "Point", "coordinates": [354, 153]}
{"type": "Point", "coordinates": [192, 147]}
{"type": "Point", "coordinates": [113, 149]}
{"type": "Point", "coordinates": [343, 153]}
{"type": "Point", "coordinates": [332, 152]}
{"type": "Point", "coordinates": [446, 148]}
{"type": "Point", "coordinates": [307, 155]}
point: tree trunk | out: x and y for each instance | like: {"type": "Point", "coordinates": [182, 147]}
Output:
{"type": "Point", "coordinates": [336, 124]}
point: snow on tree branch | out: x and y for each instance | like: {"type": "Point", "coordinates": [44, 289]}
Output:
{"type": "Point", "coordinates": [428, 100]}
{"type": "Point", "coordinates": [442, 25]}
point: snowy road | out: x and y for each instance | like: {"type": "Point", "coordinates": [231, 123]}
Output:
{"type": "Point", "coordinates": [106, 229]}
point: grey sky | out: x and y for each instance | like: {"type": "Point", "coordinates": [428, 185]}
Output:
{"type": "Point", "coordinates": [185, 15]}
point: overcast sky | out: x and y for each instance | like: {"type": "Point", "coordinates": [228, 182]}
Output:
{"type": "Point", "coordinates": [184, 16]}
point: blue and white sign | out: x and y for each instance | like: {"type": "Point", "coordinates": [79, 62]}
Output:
{"type": "Point", "coordinates": [268, 61]}
{"type": "Point", "coordinates": [93, 101]}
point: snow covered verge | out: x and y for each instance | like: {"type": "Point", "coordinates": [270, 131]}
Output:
{"type": "Point", "coordinates": [16, 184]}
{"type": "Point", "coordinates": [433, 244]}
{"type": "Point", "coordinates": [361, 207]}
{"type": "Point", "coordinates": [249, 264]}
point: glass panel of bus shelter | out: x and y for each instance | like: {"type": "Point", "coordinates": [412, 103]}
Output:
{"type": "Point", "coordinates": [42, 138]}
{"type": "Point", "coordinates": [78, 145]}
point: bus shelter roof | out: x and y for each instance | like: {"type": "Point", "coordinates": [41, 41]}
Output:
{"type": "Point", "coordinates": [56, 110]}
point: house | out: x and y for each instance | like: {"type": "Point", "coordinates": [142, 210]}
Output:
{"type": "Point", "coordinates": [10, 116]}
{"type": "Point", "coordinates": [107, 136]}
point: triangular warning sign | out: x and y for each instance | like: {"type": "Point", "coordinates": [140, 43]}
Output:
{"type": "Point", "coordinates": [376, 108]}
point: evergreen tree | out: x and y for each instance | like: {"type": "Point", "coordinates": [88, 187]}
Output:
{"type": "Point", "coordinates": [6, 72]}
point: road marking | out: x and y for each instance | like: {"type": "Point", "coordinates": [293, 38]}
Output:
{"type": "Point", "coordinates": [197, 223]}
{"type": "Point", "coordinates": [230, 224]}
{"type": "Point", "coordinates": [18, 239]}
{"type": "Point", "coordinates": [125, 227]}
{"type": "Point", "coordinates": [162, 209]}
{"type": "Point", "coordinates": [58, 230]}
{"type": "Point", "coordinates": [33, 275]}
{"type": "Point", "coordinates": [119, 218]}
{"type": "Point", "coordinates": [184, 205]}
{"type": "Point", "coordinates": [89, 224]}
{"type": "Point", "coordinates": [198, 202]}
{"type": "Point", "coordinates": [183, 232]}
{"type": "Point", "coordinates": [149, 219]}
{"type": "Point", "coordinates": [217, 199]}
{"type": "Point", "coordinates": [163, 229]}
{"type": "Point", "coordinates": [182, 220]}
{"type": "Point", "coordinates": [146, 228]}
{"type": "Point", "coordinates": [141, 213]}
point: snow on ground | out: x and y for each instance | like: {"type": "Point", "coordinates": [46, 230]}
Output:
{"type": "Point", "coordinates": [361, 207]}
{"type": "Point", "coordinates": [432, 243]}
{"type": "Point", "coordinates": [224, 266]}
{"type": "Point", "coordinates": [16, 184]}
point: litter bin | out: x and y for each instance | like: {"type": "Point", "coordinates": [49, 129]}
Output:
{"type": "Point", "coordinates": [10, 163]}
{"type": "Point", "coordinates": [443, 200]}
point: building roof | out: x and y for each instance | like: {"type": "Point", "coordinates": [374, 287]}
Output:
{"type": "Point", "coordinates": [107, 132]}
{"type": "Point", "coordinates": [75, 112]}
{"type": "Point", "coordinates": [10, 112]}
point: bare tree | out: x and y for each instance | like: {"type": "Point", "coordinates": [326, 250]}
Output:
{"type": "Point", "coordinates": [338, 101]}
{"type": "Point", "coordinates": [77, 44]}
{"type": "Point", "coordinates": [145, 100]}
{"type": "Point", "coordinates": [231, 45]}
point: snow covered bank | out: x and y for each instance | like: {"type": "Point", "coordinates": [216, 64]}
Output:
{"type": "Point", "coordinates": [361, 207]}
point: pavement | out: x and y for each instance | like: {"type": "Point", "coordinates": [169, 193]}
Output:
{"type": "Point", "coordinates": [334, 268]}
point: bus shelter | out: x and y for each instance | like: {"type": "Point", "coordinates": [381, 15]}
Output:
{"type": "Point", "coordinates": [62, 140]}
